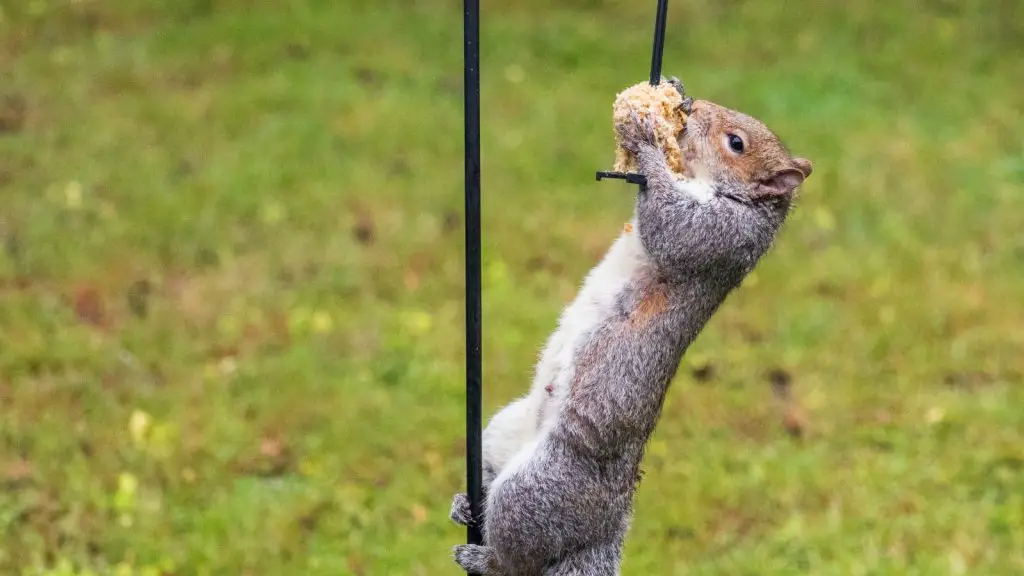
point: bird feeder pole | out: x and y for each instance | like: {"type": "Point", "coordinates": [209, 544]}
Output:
{"type": "Point", "coordinates": [474, 365]}
{"type": "Point", "coordinates": [659, 42]}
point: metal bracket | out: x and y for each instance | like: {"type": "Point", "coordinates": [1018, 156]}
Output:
{"type": "Point", "coordinates": [631, 177]}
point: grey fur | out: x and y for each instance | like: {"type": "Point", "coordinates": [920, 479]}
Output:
{"type": "Point", "coordinates": [567, 511]}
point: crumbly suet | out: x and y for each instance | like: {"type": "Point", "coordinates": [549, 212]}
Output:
{"type": "Point", "coordinates": [662, 103]}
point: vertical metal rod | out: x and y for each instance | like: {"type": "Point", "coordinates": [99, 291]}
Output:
{"type": "Point", "coordinates": [474, 368]}
{"type": "Point", "coordinates": [659, 42]}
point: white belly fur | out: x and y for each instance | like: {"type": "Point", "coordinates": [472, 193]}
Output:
{"type": "Point", "coordinates": [593, 304]}
{"type": "Point", "coordinates": [514, 434]}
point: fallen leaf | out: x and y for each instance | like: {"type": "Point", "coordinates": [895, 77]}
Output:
{"type": "Point", "coordinates": [13, 112]}
{"type": "Point", "coordinates": [279, 327]}
{"type": "Point", "coordinates": [18, 471]}
{"type": "Point", "coordinates": [363, 230]}
{"type": "Point", "coordinates": [703, 372]}
{"type": "Point", "coordinates": [367, 77]}
{"type": "Point", "coordinates": [271, 447]}
{"type": "Point", "coordinates": [451, 221]}
{"type": "Point", "coordinates": [780, 381]}
{"type": "Point", "coordinates": [794, 421]}
{"type": "Point", "coordinates": [89, 306]}
{"type": "Point", "coordinates": [138, 297]}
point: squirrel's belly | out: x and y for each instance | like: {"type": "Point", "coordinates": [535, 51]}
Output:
{"type": "Point", "coordinates": [593, 306]}
{"type": "Point", "coordinates": [512, 430]}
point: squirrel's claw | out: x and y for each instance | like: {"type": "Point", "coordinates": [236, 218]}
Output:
{"type": "Point", "coordinates": [678, 85]}
{"type": "Point", "coordinates": [637, 133]}
{"type": "Point", "coordinates": [687, 104]}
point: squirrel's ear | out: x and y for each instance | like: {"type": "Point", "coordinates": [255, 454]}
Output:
{"type": "Point", "coordinates": [804, 166]}
{"type": "Point", "coordinates": [783, 183]}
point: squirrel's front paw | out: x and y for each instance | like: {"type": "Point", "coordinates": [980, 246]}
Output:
{"type": "Point", "coordinates": [636, 133]}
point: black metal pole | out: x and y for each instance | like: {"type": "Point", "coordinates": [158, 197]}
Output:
{"type": "Point", "coordinates": [659, 42]}
{"type": "Point", "coordinates": [474, 368]}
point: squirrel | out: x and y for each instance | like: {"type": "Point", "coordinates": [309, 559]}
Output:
{"type": "Point", "coordinates": [562, 464]}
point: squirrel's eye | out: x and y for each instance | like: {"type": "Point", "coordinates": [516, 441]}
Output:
{"type": "Point", "coordinates": [735, 143]}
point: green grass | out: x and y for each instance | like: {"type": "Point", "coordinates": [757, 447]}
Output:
{"type": "Point", "coordinates": [231, 289]}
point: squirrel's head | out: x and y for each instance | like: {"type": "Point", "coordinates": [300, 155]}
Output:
{"type": "Point", "coordinates": [740, 158]}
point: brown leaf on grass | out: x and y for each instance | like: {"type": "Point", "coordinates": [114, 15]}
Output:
{"type": "Point", "coordinates": [367, 77]}
{"type": "Point", "coordinates": [18, 471]}
{"type": "Point", "coordinates": [13, 113]}
{"type": "Point", "coordinates": [794, 421]}
{"type": "Point", "coordinates": [275, 458]}
{"type": "Point", "coordinates": [138, 297]}
{"type": "Point", "coordinates": [451, 221]}
{"type": "Point", "coordinates": [828, 290]}
{"type": "Point", "coordinates": [272, 447]}
{"type": "Point", "coordinates": [678, 532]}
{"type": "Point", "coordinates": [363, 230]}
{"type": "Point", "coordinates": [310, 519]}
{"type": "Point", "coordinates": [419, 264]}
{"type": "Point", "coordinates": [703, 372]}
{"type": "Point", "coordinates": [222, 351]}
{"type": "Point", "coordinates": [780, 381]}
{"type": "Point", "coordinates": [279, 327]}
{"type": "Point", "coordinates": [89, 307]}
{"type": "Point", "coordinates": [270, 457]}
{"type": "Point", "coordinates": [969, 381]}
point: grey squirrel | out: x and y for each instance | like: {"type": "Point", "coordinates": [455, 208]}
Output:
{"type": "Point", "coordinates": [561, 464]}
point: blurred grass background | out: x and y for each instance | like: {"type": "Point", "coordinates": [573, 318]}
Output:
{"type": "Point", "coordinates": [231, 284]}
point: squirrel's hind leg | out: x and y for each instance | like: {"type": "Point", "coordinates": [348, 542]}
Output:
{"type": "Point", "coordinates": [595, 561]}
{"type": "Point", "coordinates": [476, 559]}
